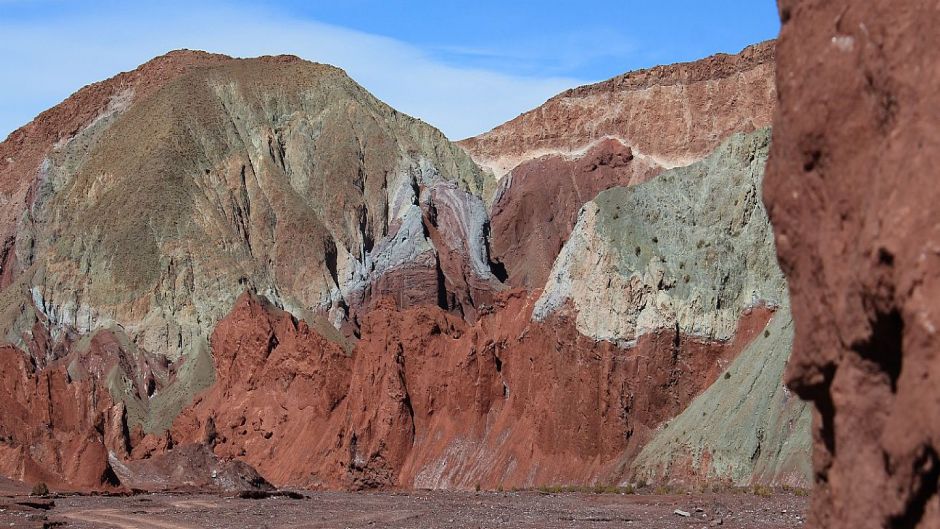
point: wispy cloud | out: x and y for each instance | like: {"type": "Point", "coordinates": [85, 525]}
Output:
{"type": "Point", "coordinates": [46, 58]}
{"type": "Point", "coordinates": [551, 53]}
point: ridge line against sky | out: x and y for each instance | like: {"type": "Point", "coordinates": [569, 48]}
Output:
{"type": "Point", "coordinates": [464, 69]}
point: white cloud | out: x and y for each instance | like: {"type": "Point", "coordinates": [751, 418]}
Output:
{"type": "Point", "coordinates": [45, 60]}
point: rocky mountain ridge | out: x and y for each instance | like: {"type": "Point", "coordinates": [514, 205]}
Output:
{"type": "Point", "coordinates": [257, 261]}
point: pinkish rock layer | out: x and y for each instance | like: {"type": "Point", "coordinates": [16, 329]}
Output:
{"type": "Point", "coordinates": [668, 116]}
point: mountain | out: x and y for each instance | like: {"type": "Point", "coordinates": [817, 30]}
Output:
{"type": "Point", "coordinates": [254, 266]}
{"type": "Point", "coordinates": [620, 132]}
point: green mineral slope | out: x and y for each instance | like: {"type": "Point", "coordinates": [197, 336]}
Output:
{"type": "Point", "coordinates": [692, 250]}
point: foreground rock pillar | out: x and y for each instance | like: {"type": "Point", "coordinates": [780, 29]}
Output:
{"type": "Point", "coordinates": [853, 192]}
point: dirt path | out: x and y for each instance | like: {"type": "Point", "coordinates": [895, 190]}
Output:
{"type": "Point", "coordinates": [116, 518]}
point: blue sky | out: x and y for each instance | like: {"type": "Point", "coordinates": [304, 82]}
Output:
{"type": "Point", "coordinates": [464, 67]}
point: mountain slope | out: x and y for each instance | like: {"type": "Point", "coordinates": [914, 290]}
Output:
{"type": "Point", "coordinates": [257, 261]}
{"type": "Point", "coordinates": [203, 177]}
{"type": "Point", "coordinates": [553, 159]}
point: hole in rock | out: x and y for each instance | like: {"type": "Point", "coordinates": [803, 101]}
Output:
{"type": "Point", "coordinates": [884, 346]}
{"type": "Point", "coordinates": [499, 270]}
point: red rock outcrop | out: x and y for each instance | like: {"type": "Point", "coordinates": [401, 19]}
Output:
{"type": "Point", "coordinates": [61, 424]}
{"type": "Point", "coordinates": [429, 400]}
{"type": "Point", "coordinates": [852, 190]}
{"type": "Point", "coordinates": [537, 204]}
{"type": "Point", "coordinates": [55, 418]}
{"type": "Point", "coordinates": [51, 426]}
{"type": "Point", "coordinates": [668, 115]}
{"type": "Point", "coordinates": [555, 158]}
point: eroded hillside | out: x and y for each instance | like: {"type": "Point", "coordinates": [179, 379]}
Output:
{"type": "Point", "coordinates": [211, 260]}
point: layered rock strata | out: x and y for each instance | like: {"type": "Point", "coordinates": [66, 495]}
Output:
{"type": "Point", "coordinates": [669, 116]}
{"type": "Point", "coordinates": [555, 158]}
{"type": "Point", "coordinates": [255, 262]}
{"type": "Point", "coordinates": [692, 251]}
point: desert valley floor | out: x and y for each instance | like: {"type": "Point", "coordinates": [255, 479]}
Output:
{"type": "Point", "coordinates": [418, 509]}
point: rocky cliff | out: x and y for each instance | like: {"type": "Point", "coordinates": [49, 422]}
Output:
{"type": "Point", "coordinates": [553, 159]}
{"type": "Point", "coordinates": [850, 189]}
{"type": "Point", "coordinates": [669, 116]}
{"type": "Point", "coordinates": [698, 259]}
{"type": "Point", "coordinates": [210, 263]}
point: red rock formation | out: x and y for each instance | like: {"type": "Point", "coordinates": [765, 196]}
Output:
{"type": "Point", "coordinates": [670, 115]}
{"type": "Point", "coordinates": [537, 205]}
{"type": "Point", "coordinates": [623, 131]}
{"type": "Point", "coordinates": [428, 400]}
{"type": "Point", "coordinates": [852, 191]}
{"type": "Point", "coordinates": [52, 425]}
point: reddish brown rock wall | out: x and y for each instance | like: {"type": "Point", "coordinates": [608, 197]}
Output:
{"type": "Point", "coordinates": [52, 427]}
{"type": "Point", "coordinates": [538, 203]}
{"type": "Point", "coordinates": [673, 115]}
{"type": "Point", "coordinates": [428, 400]}
{"type": "Point", "coordinates": [852, 191]}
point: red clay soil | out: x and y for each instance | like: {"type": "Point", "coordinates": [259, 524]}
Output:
{"type": "Point", "coordinates": [429, 400]}
{"type": "Point", "coordinates": [852, 192]}
{"type": "Point", "coordinates": [538, 203]}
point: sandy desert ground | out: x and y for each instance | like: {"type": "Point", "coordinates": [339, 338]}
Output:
{"type": "Point", "coordinates": [407, 510]}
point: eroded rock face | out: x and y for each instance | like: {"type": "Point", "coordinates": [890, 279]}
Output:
{"type": "Point", "coordinates": [429, 400]}
{"type": "Point", "coordinates": [689, 250]}
{"type": "Point", "coordinates": [537, 204]}
{"type": "Point", "coordinates": [254, 265]}
{"type": "Point", "coordinates": [692, 251]}
{"type": "Point", "coordinates": [554, 159]}
{"type": "Point", "coordinates": [669, 116]}
{"type": "Point", "coordinates": [214, 176]}
{"type": "Point", "coordinates": [851, 190]}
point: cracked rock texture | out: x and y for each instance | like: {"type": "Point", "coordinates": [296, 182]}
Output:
{"type": "Point", "coordinates": [852, 192]}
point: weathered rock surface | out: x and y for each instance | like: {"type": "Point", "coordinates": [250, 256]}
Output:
{"type": "Point", "coordinates": [273, 174]}
{"type": "Point", "coordinates": [190, 467]}
{"type": "Point", "coordinates": [689, 250]}
{"type": "Point", "coordinates": [429, 400]}
{"type": "Point", "coordinates": [852, 192]}
{"type": "Point", "coordinates": [139, 209]}
{"type": "Point", "coordinates": [555, 158]}
{"type": "Point", "coordinates": [669, 116]}
{"type": "Point", "coordinates": [745, 428]}
{"type": "Point", "coordinates": [537, 204]}
{"type": "Point", "coordinates": [250, 266]}
{"type": "Point", "coordinates": [692, 251]}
